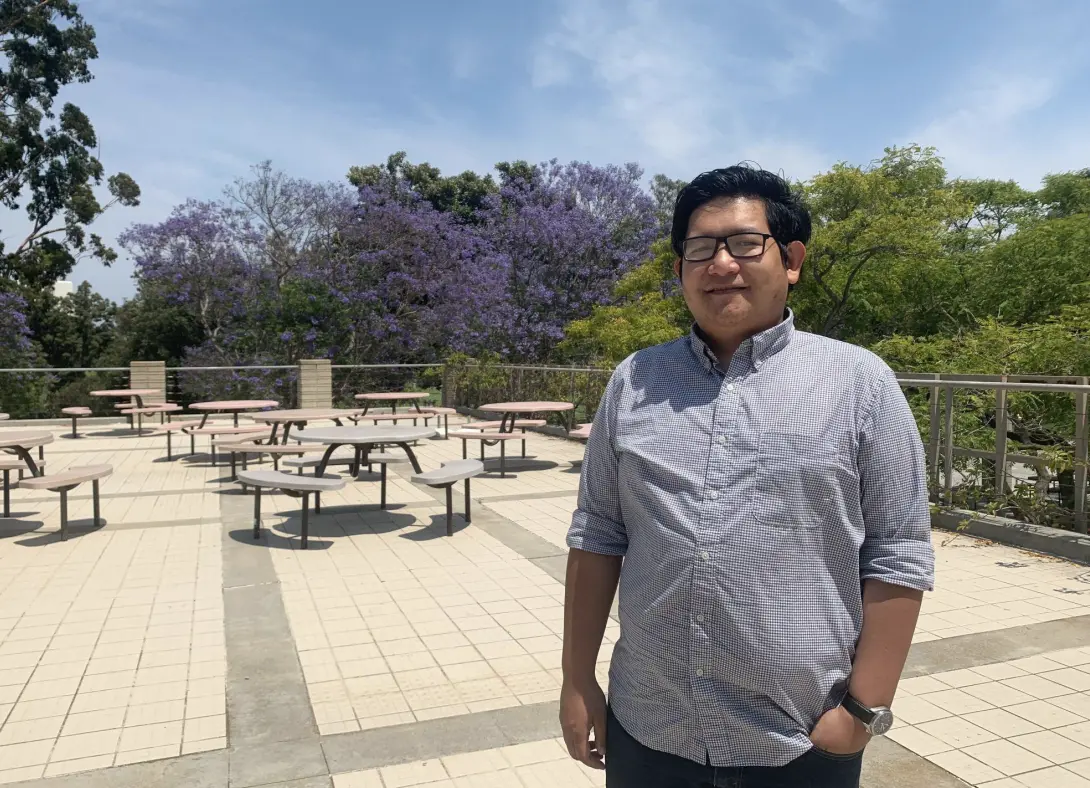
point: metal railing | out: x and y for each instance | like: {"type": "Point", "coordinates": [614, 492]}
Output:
{"type": "Point", "coordinates": [278, 382]}
{"type": "Point", "coordinates": [942, 450]}
{"type": "Point", "coordinates": [471, 385]}
{"type": "Point", "coordinates": [40, 392]}
{"type": "Point", "coordinates": [942, 403]}
{"type": "Point", "coordinates": [352, 379]}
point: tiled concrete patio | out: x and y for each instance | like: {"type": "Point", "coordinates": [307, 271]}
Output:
{"type": "Point", "coordinates": [169, 648]}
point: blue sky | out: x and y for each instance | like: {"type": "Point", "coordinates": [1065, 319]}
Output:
{"type": "Point", "coordinates": [190, 93]}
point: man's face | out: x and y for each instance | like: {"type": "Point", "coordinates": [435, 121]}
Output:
{"type": "Point", "coordinates": [733, 296]}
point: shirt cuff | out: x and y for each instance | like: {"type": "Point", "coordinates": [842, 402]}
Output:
{"type": "Point", "coordinates": [909, 563]}
{"type": "Point", "coordinates": [596, 534]}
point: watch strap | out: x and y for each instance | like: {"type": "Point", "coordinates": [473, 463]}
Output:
{"type": "Point", "coordinates": [863, 713]}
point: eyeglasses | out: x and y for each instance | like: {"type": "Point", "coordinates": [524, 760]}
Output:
{"type": "Point", "coordinates": [741, 246]}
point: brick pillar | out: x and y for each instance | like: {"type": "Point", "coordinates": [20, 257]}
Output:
{"type": "Point", "coordinates": [149, 375]}
{"type": "Point", "coordinates": [315, 383]}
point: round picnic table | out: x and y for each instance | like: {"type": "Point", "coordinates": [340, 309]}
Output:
{"type": "Point", "coordinates": [512, 410]}
{"type": "Point", "coordinates": [363, 439]}
{"type": "Point", "coordinates": [393, 397]}
{"type": "Point", "coordinates": [3, 417]}
{"type": "Point", "coordinates": [298, 417]}
{"type": "Point", "coordinates": [21, 442]}
{"type": "Point", "coordinates": [136, 394]}
{"type": "Point", "coordinates": [233, 406]}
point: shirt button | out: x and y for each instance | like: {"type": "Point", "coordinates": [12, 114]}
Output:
{"type": "Point", "coordinates": [700, 619]}
{"type": "Point", "coordinates": [700, 671]}
{"type": "Point", "coordinates": [730, 387]}
{"type": "Point", "coordinates": [704, 555]}
{"type": "Point", "coordinates": [713, 494]}
{"type": "Point", "coordinates": [721, 439]}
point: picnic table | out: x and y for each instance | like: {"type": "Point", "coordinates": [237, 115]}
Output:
{"type": "Point", "coordinates": [233, 406]}
{"type": "Point", "coordinates": [298, 417]}
{"type": "Point", "coordinates": [136, 394]}
{"type": "Point", "coordinates": [21, 442]}
{"type": "Point", "coordinates": [393, 397]}
{"type": "Point", "coordinates": [512, 410]}
{"type": "Point", "coordinates": [363, 439]}
{"type": "Point", "coordinates": [3, 417]}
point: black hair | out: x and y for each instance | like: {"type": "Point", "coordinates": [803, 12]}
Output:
{"type": "Point", "coordinates": [788, 218]}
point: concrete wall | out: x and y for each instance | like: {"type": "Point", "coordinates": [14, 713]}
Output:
{"type": "Point", "coordinates": [315, 383]}
{"type": "Point", "coordinates": [149, 375]}
{"type": "Point", "coordinates": [1039, 538]}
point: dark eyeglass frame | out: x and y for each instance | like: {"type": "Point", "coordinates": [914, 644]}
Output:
{"type": "Point", "coordinates": [724, 241]}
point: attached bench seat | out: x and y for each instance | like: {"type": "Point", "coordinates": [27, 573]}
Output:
{"type": "Point", "coordinates": [76, 412]}
{"type": "Point", "coordinates": [582, 432]}
{"type": "Point", "coordinates": [494, 426]}
{"type": "Point", "coordinates": [383, 459]}
{"type": "Point", "coordinates": [236, 447]}
{"type": "Point", "coordinates": [293, 485]}
{"type": "Point", "coordinates": [489, 438]}
{"type": "Point", "coordinates": [66, 480]}
{"type": "Point", "coordinates": [446, 413]}
{"type": "Point", "coordinates": [176, 426]}
{"type": "Point", "coordinates": [192, 429]}
{"type": "Point", "coordinates": [314, 460]}
{"type": "Point", "coordinates": [7, 465]}
{"type": "Point", "coordinates": [446, 477]}
{"type": "Point", "coordinates": [394, 417]}
{"type": "Point", "coordinates": [214, 430]}
{"type": "Point", "coordinates": [160, 407]}
{"type": "Point", "coordinates": [164, 409]}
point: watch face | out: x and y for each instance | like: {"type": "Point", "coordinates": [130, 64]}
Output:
{"type": "Point", "coordinates": [882, 722]}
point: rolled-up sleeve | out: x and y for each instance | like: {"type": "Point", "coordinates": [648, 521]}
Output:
{"type": "Point", "coordinates": [597, 525]}
{"type": "Point", "coordinates": [893, 474]}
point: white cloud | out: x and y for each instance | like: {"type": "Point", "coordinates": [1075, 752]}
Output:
{"type": "Point", "coordinates": [1015, 118]}
{"type": "Point", "coordinates": [1019, 109]}
{"type": "Point", "coordinates": [682, 85]}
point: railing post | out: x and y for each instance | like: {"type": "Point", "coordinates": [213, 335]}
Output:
{"type": "Point", "coordinates": [1001, 440]}
{"type": "Point", "coordinates": [1082, 437]}
{"type": "Point", "coordinates": [948, 438]}
{"type": "Point", "coordinates": [934, 436]}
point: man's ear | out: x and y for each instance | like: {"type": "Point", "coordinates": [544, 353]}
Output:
{"type": "Point", "coordinates": [796, 253]}
{"type": "Point", "coordinates": [677, 267]}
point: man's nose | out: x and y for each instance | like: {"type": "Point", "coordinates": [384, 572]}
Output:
{"type": "Point", "coordinates": [723, 263]}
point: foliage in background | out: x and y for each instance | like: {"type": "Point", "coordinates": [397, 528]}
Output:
{"type": "Point", "coordinates": [49, 170]}
{"type": "Point", "coordinates": [565, 234]}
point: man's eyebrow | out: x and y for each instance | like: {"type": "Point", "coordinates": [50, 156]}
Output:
{"type": "Point", "coordinates": [743, 229]}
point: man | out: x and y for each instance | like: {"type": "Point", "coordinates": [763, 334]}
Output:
{"type": "Point", "coordinates": [766, 491]}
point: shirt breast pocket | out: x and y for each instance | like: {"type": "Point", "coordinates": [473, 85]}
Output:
{"type": "Point", "coordinates": [797, 480]}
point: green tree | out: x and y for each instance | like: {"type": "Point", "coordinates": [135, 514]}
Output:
{"type": "Point", "coordinates": [78, 328]}
{"type": "Point", "coordinates": [463, 194]}
{"type": "Point", "coordinates": [1066, 194]}
{"type": "Point", "coordinates": [998, 209]}
{"type": "Point", "coordinates": [648, 310]}
{"type": "Point", "coordinates": [152, 328]}
{"type": "Point", "coordinates": [1030, 276]}
{"type": "Point", "coordinates": [878, 251]}
{"type": "Point", "coordinates": [664, 191]}
{"type": "Point", "coordinates": [48, 164]}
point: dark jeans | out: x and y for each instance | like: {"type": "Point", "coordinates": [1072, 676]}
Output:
{"type": "Point", "coordinates": [629, 764]}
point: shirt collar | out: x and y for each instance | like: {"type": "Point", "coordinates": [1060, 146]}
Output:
{"type": "Point", "coordinates": [755, 350]}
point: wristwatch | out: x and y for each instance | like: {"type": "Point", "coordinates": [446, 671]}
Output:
{"type": "Point", "coordinates": [877, 721]}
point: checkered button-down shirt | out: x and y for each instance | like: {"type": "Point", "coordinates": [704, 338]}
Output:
{"type": "Point", "coordinates": [749, 505]}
